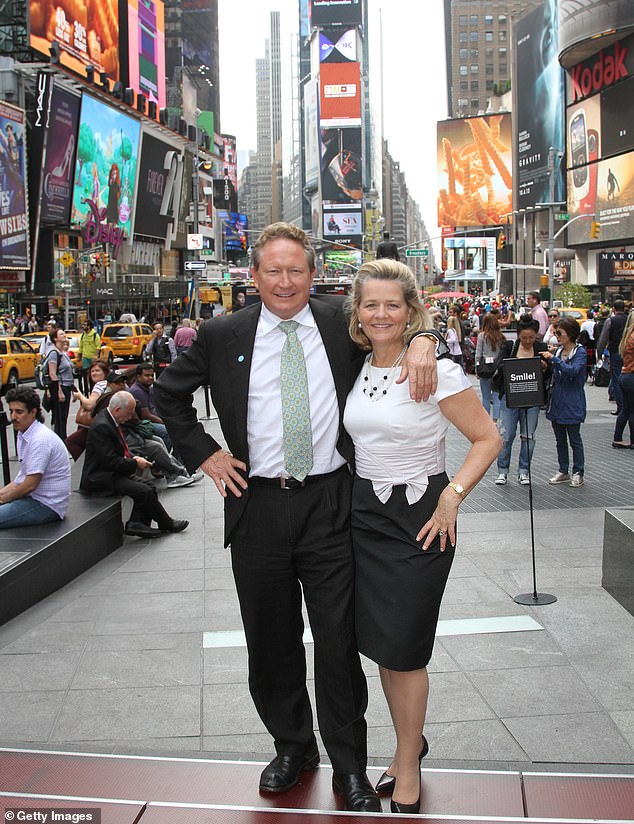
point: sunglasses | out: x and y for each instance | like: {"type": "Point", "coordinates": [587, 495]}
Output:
{"type": "Point", "coordinates": [553, 316]}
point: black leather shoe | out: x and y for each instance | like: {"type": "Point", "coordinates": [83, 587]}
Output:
{"type": "Point", "coordinates": [397, 807]}
{"type": "Point", "coordinates": [358, 794]}
{"type": "Point", "coordinates": [177, 526]}
{"type": "Point", "coordinates": [385, 784]}
{"type": "Point", "coordinates": [140, 530]}
{"type": "Point", "coordinates": [284, 770]}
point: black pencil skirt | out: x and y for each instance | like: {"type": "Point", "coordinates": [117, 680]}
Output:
{"type": "Point", "coordinates": [398, 587]}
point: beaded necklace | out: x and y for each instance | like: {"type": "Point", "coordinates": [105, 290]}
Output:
{"type": "Point", "coordinates": [375, 393]}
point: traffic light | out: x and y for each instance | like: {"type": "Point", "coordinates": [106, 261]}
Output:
{"type": "Point", "coordinates": [243, 242]}
{"type": "Point", "coordinates": [105, 260]}
{"type": "Point", "coordinates": [97, 260]}
{"type": "Point", "coordinates": [595, 230]}
{"type": "Point", "coordinates": [501, 240]}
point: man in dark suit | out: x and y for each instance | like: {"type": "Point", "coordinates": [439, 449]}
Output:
{"type": "Point", "coordinates": [289, 530]}
{"type": "Point", "coordinates": [108, 466]}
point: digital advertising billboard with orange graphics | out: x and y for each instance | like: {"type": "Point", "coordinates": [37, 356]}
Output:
{"type": "Point", "coordinates": [86, 33]}
{"type": "Point", "coordinates": [340, 94]}
{"type": "Point", "coordinates": [475, 186]}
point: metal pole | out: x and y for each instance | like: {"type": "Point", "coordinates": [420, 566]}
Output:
{"type": "Point", "coordinates": [551, 224]}
{"type": "Point", "coordinates": [195, 184]}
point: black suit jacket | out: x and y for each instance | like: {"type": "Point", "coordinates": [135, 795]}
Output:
{"type": "Point", "coordinates": [221, 358]}
{"type": "Point", "coordinates": [105, 457]}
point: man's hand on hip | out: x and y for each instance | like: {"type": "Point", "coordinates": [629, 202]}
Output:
{"type": "Point", "coordinates": [223, 468]}
{"type": "Point", "coordinates": [420, 367]}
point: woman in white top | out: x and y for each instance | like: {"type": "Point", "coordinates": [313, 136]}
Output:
{"type": "Point", "coordinates": [404, 509]}
{"type": "Point", "coordinates": [454, 336]}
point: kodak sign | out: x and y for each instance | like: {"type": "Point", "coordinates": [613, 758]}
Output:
{"type": "Point", "coordinates": [607, 68]}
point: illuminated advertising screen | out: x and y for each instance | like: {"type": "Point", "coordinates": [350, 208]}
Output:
{"type": "Point", "coordinates": [87, 33]}
{"type": "Point", "coordinates": [234, 226]}
{"type": "Point", "coordinates": [311, 131]}
{"type": "Point", "coordinates": [615, 268]}
{"type": "Point", "coordinates": [343, 261]}
{"type": "Point", "coordinates": [617, 118]}
{"type": "Point", "coordinates": [60, 157]}
{"type": "Point", "coordinates": [339, 223]}
{"type": "Point", "coordinates": [340, 12]}
{"type": "Point", "coordinates": [540, 105]}
{"type": "Point", "coordinates": [340, 94]}
{"type": "Point", "coordinates": [14, 224]}
{"type": "Point", "coordinates": [336, 46]}
{"type": "Point", "coordinates": [146, 49]}
{"type": "Point", "coordinates": [604, 191]}
{"type": "Point", "coordinates": [151, 188]}
{"type": "Point", "coordinates": [475, 186]}
{"type": "Point", "coordinates": [341, 166]}
{"type": "Point", "coordinates": [105, 171]}
{"type": "Point", "coordinates": [230, 168]}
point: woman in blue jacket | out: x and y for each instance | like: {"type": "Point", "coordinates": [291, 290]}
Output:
{"type": "Point", "coordinates": [567, 406]}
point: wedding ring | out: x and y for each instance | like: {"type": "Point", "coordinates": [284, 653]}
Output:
{"type": "Point", "coordinates": [441, 532]}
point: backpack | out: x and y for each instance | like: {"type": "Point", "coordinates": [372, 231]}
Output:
{"type": "Point", "coordinates": [42, 378]}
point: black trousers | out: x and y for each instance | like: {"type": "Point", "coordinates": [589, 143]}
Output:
{"type": "Point", "coordinates": [147, 507]}
{"type": "Point", "coordinates": [289, 542]}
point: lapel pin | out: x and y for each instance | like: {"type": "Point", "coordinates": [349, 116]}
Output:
{"type": "Point", "coordinates": [240, 358]}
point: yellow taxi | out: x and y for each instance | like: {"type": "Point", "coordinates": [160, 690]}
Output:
{"type": "Point", "coordinates": [127, 340]}
{"type": "Point", "coordinates": [17, 362]}
{"type": "Point", "coordinates": [575, 312]}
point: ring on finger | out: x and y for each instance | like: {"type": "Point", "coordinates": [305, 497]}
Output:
{"type": "Point", "coordinates": [442, 532]}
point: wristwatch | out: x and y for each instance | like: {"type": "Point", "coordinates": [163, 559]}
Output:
{"type": "Point", "coordinates": [457, 488]}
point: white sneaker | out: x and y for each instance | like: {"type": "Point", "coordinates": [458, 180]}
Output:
{"type": "Point", "coordinates": [560, 478]}
{"type": "Point", "coordinates": [501, 479]}
{"type": "Point", "coordinates": [576, 480]}
{"type": "Point", "coordinates": [180, 480]}
{"type": "Point", "coordinates": [523, 479]}
{"type": "Point", "coordinates": [198, 475]}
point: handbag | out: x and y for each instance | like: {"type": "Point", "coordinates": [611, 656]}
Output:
{"type": "Point", "coordinates": [47, 403]}
{"type": "Point", "coordinates": [602, 374]}
{"type": "Point", "coordinates": [488, 370]}
{"type": "Point", "coordinates": [84, 417]}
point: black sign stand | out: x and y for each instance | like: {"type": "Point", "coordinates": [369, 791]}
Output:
{"type": "Point", "coordinates": [524, 387]}
{"type": "Point", "coordinates": [4, 446]}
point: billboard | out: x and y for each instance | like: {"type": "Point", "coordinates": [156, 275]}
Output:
{"type": "Point", "coordinates": [340, 12]}
{"type": "Point", "coordinates": [336, 46]}
{"type": "Point", "coordinates": [343, 261]}
{"type": "Point", "coordinates": [615, 268]}
{"type": "Point", "coordinates": [234, 228]}
{"type": "Point", "coordinates": [59, 163]}
{"type": "Point", "coordinates": [311, 131]}
{"type": "Point", "coordinates": [540, 105]}
{"type": "Point", "coordinates": [105, 172]}
{"type": "Point", "coordinates": [475, 186]}
{"type": "Point", "coordinates": [87, 33]}
{"type": "Point", "coordinates": [339, 223]}
{"type": "Point", "coordinates": [146, 49]}
{"type": "Point", "coordinates": [340, 94]}
{"type": "Point", "coordinates": [604, 191]}
{"type": "Point", "coordinates": [341, 166]}
{"type": "Point", "coordinates": [153, 176]}
{"type": "Point", "coordinates": [14, 223]}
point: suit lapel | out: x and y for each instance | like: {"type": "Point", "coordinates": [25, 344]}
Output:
{"type": "Point", "coordinates": [239, 357]}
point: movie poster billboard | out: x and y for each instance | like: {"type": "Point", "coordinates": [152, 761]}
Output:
{"type": "Point", "coordinates": [105, 172]}
{"type": "Point", "coordinates": [311, 131]}
{"type": "Point", "coordinates": [87, 33]}
{"type": "Point", "coordinates": [153, 176]}
{"type": "Point", "coordinates": [59, 163]}
{"type": "Point", "coordinates": [14, 223]}
{"type": "Point", "coordinates": [341, 167]}
{"type": "Point", "coordinates": [146, 49]}
{"type": "Point", "coordinates": [340, 94]}
{"type": "Point", "coordinates": [540, 105]}
{"type": "Point", "coordinates": [475, 186]}
{"type": "Point", "coordinates": [604, 191]}
{"type": "Point", "coordinates": [336, 46]}
{"type": "Point", "coordinates": [340, 224]}
{"type": "Point", "coordinates": [338, 13]}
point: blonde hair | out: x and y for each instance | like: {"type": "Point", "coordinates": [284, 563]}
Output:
{"type": "Point", "coordinates": [454, 323]}
{"type": "Point", "coordinates": [390, 270]}
{"type": "Point", "coordinates": [627, 331]}
{"type": "Point", "coordinates": [285, 231]}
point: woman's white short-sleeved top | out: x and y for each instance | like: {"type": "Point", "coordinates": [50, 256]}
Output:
{"type": "Point", "coordinates": [396, 440]}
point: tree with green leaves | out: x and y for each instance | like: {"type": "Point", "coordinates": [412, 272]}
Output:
{"type": "Point", "coordinates": [574, 294]}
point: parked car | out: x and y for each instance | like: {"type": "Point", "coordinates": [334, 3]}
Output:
{"type": "Point", "coordinates": [127, 340]}
{"type": "Point", "coordinates": [17, 362]}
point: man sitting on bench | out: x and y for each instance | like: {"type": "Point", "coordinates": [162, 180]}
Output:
{"type": "Point", "coordinates": [41, 489]}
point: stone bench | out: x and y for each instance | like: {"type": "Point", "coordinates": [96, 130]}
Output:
{"type": "Point", "coordinates": [37, 560]}
{"type": "Point", "coordinates": [618, 556]}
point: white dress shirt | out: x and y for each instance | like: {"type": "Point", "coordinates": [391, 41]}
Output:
{"type": "Point", "coordinates": [264, 416]}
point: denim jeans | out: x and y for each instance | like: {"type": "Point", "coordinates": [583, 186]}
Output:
{"type": "Point", "coordinates": [499, 404]}
{"type": "Point", "coordinates": [528, 419]}
{"type": "Point", "coordinates": [25, 512]}
{"type": "Point", "coordinates": [614, 389]}
{"type": "Point", "coordinates": [565, 432]}
{"type": "Point", "coordinates": [626, 413]}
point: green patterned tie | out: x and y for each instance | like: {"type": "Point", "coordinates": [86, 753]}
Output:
{"type": "Point", "coordinates": [298, 434]}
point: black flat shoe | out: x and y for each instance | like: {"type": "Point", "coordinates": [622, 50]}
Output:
{"type": "Point", "coordinates": [397, 807]}
{"type": "Point", "coordinates": [284, 770]}
{"type": "Point", "coordinates": [139, 530]}
{"type": "Point", "coordinates": [177, 526]}
{"type": "Point", "coordinates": [358, 794]}
{"type": "Point", "coordinates": [385, 784]}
